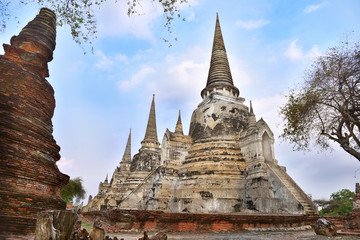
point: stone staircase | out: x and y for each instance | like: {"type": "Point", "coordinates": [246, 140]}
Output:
{"type": "Point", "coordinates": [338, 221]}
{"type": "Point", "coordinates": [296, 191]}
{"type": "Point", "coordinates": [145, 181]}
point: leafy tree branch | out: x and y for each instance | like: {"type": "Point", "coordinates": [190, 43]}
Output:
{"type": "Point", "coordinates": [79, 14]}
{"type": "Point", "coordinates": [327, 107]}
{"type": "Point", "coordinates": [340, 203]}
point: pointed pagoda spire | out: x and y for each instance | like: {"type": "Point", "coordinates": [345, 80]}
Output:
{"type": "Point", "coordinates": [106, 179]}
{"type": "Point", "coordinates": [252, 118]}
{"type": "Point", "coordinates": [151, 139]}
{"type": "Point", "coordinates": [127, 154]}
{"type": "Point", "coordinates": [178, 128]}
{"type": "Point", "coordinates": [219, 73]}
{"type": "Point", "coordinates": [251, 109]}
{"type": "Point", "coordinates": [112, 179]}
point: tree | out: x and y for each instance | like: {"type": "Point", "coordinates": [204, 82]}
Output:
{"type": "Point", "coordinates": [79, 14]}
{"type": "Point", "coordinates": [321, 203]}
{"type": "Point", "coordinates": [340, 203]}
{"type": "Point", "coordinates": [327, 107]}
{"type": "Point", "coordinates": [73, 189]}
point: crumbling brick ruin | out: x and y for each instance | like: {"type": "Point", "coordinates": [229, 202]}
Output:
{"type": "Point", "coordinates": [225, 165]}
{"type": "Point", "coordinates": [29, 178]}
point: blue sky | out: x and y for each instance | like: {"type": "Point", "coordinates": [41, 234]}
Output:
{"type": "Point", "coordinates": [270, 44]}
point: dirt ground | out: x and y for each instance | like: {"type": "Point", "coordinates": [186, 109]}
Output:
{"type": "Point", "coordinates": [306, 235]}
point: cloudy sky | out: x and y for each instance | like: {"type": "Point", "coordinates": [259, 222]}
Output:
{"type": "Point", "coordinates": [270, 44]}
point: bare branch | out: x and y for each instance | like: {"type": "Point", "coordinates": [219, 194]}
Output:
{"type": "Point", "coordinates": [328, 105]}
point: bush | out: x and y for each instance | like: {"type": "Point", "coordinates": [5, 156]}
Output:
{"type": "Point", "coordinates": [340, 203]}
{"type": "Point", "coordinates": [73, 189]}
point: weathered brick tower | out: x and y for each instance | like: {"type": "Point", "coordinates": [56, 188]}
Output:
{"type": "Point", "coordinates": [225, 165]}
{"type": "Point", "coordinates": [29, 178]}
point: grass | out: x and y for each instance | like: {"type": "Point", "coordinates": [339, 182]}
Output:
{"type": "Point", "coordinates": [87, 226]}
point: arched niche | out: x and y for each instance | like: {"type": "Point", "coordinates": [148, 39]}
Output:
{"type": "Point", "coordinates": [266, 147]}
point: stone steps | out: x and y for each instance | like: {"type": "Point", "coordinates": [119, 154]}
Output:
{"type": "Point", "coordinates": [336, 221]}
{"type": "Point", "coordinates": [141, 183]}
{"type": "Point", "coordinates": [348, 233]}
{"type": "Point", "coordinates": [294, 191]}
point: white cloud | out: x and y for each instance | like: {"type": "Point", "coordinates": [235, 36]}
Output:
{"type": "Point", "coordinates": [114, 21]}
{"type": "Point", "coordinates": [251, 24]}
{"type": "Point", "coordinates": [267, 108]}
{"type": "Point", "coordinates": [272, 59]}
{"type": "Point", "coordinates": [294, 52]}
{"type": "Point", "coordinates": [190, 17]}
{"type": "Point", "coordinates": [103, 62]}
{"type": "Point", "coordinates": [136, 79]}
{"type": "Point", "coordinates": [313, 53]}
{"type": "Point", "coordinates": [106, 62]}
{"type": "Point", "coordinates": [141, 54]}
{"type": "Point", "coordinates": [311, 8]}
{"type": "Point", "coordinates": [65, 164]}
{"type": "Point", "coordinates": [238, 71]}
{"type": "Point", "coordinates": [183, 76]}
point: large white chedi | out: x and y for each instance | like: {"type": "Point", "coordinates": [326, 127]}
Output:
{"type": "Point", "coordinates": [225, 165]}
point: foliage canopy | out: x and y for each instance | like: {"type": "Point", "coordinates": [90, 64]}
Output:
{"type": "Point", "coordinates": [327, 107]}
{"type": "Point", "coordinates": [79, 14]}
{"type": "Point", "coordinates": [73, 190]}
{"type": "Point", "coordinates": [340, 203]}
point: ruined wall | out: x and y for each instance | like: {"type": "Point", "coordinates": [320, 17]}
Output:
{"type": "Point", "coordinates": [29, 178]}
{"type": "Point", "coordinates": [156, 191]}
{"type": "Point", "coordinates": [141, 196]}
{"type": "Point", "coordinates": [218, 115]}
{"type": "Point", "coordinates": [212, 176]}
{"type": "Point", "coordinates": [146, 160]}
{"type": "Point", "coordinates": [268, 187]}
{"type": "Point", "coordinates": [139, 220]}
{"type": "Point", "coordinates": [110, 197]}
{"type": "Point", "coordinates": [175, 147]}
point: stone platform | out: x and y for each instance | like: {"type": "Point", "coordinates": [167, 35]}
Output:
{"type": "Point", "coordinates": [141, 220]}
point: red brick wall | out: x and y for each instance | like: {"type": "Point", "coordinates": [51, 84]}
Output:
{"type": "Point", "coordinates": [188, 222]}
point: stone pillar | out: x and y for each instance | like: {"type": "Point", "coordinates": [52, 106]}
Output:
{"type": "Point", "coordinates": [30, 181]}
{"type": "Point", "coordinates": [356, 203]}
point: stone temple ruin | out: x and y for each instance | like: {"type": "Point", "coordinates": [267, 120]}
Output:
{"type": "Point", "coordinates": [225, 165]}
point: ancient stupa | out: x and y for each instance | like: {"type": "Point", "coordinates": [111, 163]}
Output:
{"type": "Point", "coordinates": [225, 165]}
{"type": "Point", "coordinates": [30, 181]}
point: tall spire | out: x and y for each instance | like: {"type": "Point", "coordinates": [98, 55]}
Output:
{"type": "Point", "coordinates": [178, 128]}
{"type": "Point", "coordinates": [252, 118]}
{"type": "Point", "coordinates": [251, 109]}
{"type": "Point", "coordinates": [127, 154]}
{"type": "Point", "coordinates": [219, 73]}
{"type": "Point", "coordinates": [106, 179]}
{"type": "Point", "coordinates": [151, 139]}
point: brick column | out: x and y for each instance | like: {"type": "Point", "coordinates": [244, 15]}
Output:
{"type": "Point", "coordinates": [29, 178]}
